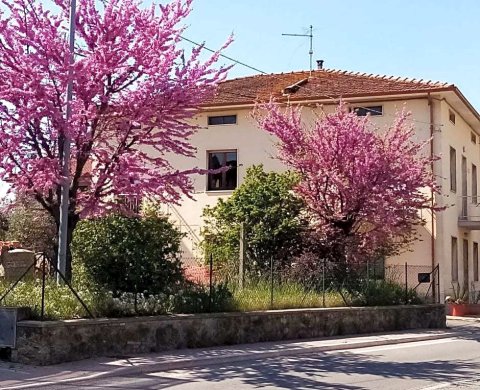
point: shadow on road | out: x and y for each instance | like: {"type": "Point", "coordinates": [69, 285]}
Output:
{"type": "Point", "coordinates": [464, 330]}
{"type": "Point", "coordinates": [300, 373]}
{"type": "Point", "coordinates": [306, 371]}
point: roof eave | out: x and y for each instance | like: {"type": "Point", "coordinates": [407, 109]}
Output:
{"type": "Point", "coordinates": [323, 99]}
{"type": "Point", "coordinates": [465, 101]}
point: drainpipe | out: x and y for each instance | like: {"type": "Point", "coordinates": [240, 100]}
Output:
{"type": "Point", "coordinates": [432, 241]}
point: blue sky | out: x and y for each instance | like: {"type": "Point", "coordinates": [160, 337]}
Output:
{"type": "Point", "coordinates": [427, 39]}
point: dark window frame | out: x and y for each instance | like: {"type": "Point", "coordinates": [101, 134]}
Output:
{"type": "Point", "coordinates": [474, 184]}
{"type": "Point", "coordinates": [372, 110]}
{"type": "Point", "coordinates": [451, 116]}
{"type": "Point", "coordinates": [132, 203]}
{"type": "Point", "coordinates": [453, 169]}
{"type": "Point", "coordinates": [454, 258]}
{"type": "Point", "coordinates": [222, 177]}
{"type": "Point", "coordinates": [475, 262]}
{"type": "Point", "coordinates": [222, 120]}
{"type": "Point", "coordinates": [473, 138]}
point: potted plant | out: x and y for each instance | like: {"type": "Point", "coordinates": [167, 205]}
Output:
{"type": "Point", "coordinates": [457, 304]}
{"type": "Point", "coordinates": [474, 301]}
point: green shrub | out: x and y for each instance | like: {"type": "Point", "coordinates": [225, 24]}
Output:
{"type": "Point", "coordinates": [271, 216]}
{"type": "Point", "coordinates": [31, 225]}
{"type": "Point", "coordinates": [189, 298]}
{"type": "Point", "coordinates": [382, 293]}
{"type": "Point", "coordinates": [130, 255]}
{"type": "Point", "coordinates": [194, 298]}
{"type": "Point", "coordinates": [60, 303]}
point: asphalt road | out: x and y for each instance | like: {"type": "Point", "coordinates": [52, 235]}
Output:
{"type": "Point", "coordinates": [451, 363]}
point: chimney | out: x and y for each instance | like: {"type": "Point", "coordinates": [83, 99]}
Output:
{"type": "Point", "coordinates": [319, 64]}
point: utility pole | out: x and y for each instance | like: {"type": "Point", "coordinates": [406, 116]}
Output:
{"type": "Point", "coordinates": [311, 44]}
{"type": "Point", "coordinates": [65, 185]}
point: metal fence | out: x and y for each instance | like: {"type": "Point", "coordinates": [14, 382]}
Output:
{"type": "Point", "coordinates": [322, 284]}
{"type": "Point", "coordinates": [43, 266]}
{"type": "Point", "coordinates": [271, 285]}
{"type": "Point", "coordinates": [420, 278]}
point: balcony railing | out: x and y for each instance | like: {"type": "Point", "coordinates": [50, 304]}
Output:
{"type": "Point", "coordinates": [468, 212]}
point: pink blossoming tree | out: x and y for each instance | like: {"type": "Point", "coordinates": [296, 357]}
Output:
{"type": "Point", "coordinates": [133, 96]}
{"type": "Point", "coordinates": [363, 187]}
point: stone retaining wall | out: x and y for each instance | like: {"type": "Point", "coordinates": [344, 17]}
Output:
{"type": "Point", "coordinates": [43, 343]}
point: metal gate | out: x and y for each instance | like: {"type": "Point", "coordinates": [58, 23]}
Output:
{"type": "Point", "coordinates": [428, 285]}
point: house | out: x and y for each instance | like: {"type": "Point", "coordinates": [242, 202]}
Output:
{"type": "Point", "coordinates": [440, 112]}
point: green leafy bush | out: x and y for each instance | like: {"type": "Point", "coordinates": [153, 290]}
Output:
{"type": "Point", "coordinates": [130, 255]}
{"type": "Point", "coordinates": [271, 216]}
{"type": "Point", "coordinates": [382, 293]}
{"type": "Point", "coordinates": [32, 226]}
{"type": "Point", "coordinates": [194, 298]}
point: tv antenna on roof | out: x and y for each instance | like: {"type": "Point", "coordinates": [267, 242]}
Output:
{"type": "Point", "coordinates": [311, 44]}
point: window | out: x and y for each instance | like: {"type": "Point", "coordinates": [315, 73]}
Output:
{"type": "Point", "coordinates": [451, 116]}
{"type": "Point", "coordinates": [222, 120]}
{"type": "Point", "coordinates": [473, 138]}
{"type": "Point", "coordinates": [131, 203]}
{"type": "Point", "coordinates": [474, 184]}
{"type": "Point", "coordinates": [475, 261]}
{"type": "Point", "coordinates": [222, 181]}
{"type": "Point", "coordinates": [372, 110]}
{"type": "Point", "coordinates": [453, 169]}
{"type": "Point", "coordinates": [454, 259]}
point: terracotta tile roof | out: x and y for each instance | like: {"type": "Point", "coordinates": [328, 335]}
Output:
{"type": "Point", "coordinates": [326, 83]}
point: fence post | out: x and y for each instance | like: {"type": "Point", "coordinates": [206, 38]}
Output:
{"type": "Point", "coordinates": [433, 283]}
{"type": "Point", "coordinates": [210, 295]}
{"type": "Point", "coordinates": [42, 313]}
{"type": "Point", "coordinates": [438, 283]}
{"type": "Point", "coordinates": [406, 283]}
{"type": "Point", "coordinates": [241, 257]}
{"type": "Point", "coordinates": [271, 282]}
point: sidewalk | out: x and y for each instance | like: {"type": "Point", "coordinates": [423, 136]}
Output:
{"type": "Point", "coordinates": [14, 376]}
{"type": "Point", "coordinates": [472, 318]}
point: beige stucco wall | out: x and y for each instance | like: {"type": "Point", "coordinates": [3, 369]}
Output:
{"type": "Point", "coordinates": [255, 146]}
{"type": "Point", "coordinates": [458, 136]}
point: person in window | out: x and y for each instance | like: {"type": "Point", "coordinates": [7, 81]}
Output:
{"type": "Point", "coordinates": [231, 174]}
{"type": "Point", "coordinates": [216, 178]}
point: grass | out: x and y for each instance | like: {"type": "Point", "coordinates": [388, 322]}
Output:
{"type": "Point", "coordinates": [60, 303]}
{"type": "Point", "coordinates": [285, 296]}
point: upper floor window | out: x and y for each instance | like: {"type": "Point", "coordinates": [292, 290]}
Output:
{"type": "Point", "coordinates": [222, 120]}
{"type": "Point", "coordinates": [372, 110]}
{"type": "Point", "coordinates": [473, 138]}
{"type": "Point", "coordinates": [474, 184]}
{"type": "Point", "coordinates": [131, 203]}
{"type": "Point", "coordinates": [226, 180]}
{"type": "Point", "coordinates": [451, 116]}
{"type": "Point", "coordinates": [453, 169]}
